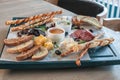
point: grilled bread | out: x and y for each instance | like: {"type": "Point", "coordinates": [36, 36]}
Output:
{"type": "Point", "coordinates": [22, 47]}
{"type": "Point", "coordinates": [78, 20]}
{"type": "Point", "coordinates": [28, 53]}
{"type": "Point", "coordinates": [43, 52]}
{"type": "Point", "coordinates": [93, 21]}
{"type": "Point", "coordinates": [17, 41]}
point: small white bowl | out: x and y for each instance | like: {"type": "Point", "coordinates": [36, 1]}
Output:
{"type": "Point", "coordinates": [65, 24]}
{"type": "Point", "coordinates": [56, 37]}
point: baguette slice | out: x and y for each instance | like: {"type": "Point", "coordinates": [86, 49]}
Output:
{"type": "Point", "coordinates": [22, 47]}
{"type": "Point", "coordinates": [28, 53]}
{"type": "Point", "coordinates": [80, 17]}
{"type": "Point", "coordinates": [93, 21]}
{"type": "Point", "coordinates": [17, 41]}
{"type": "Point", "coordinates": [87, 19]}
{"type": "Point", "coordinates": [43, 52]}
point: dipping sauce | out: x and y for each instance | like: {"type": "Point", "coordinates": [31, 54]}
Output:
{"type": "Point", "coordinates": [56, 31]}
{"type": "Point", "coordinates": [56, 34]}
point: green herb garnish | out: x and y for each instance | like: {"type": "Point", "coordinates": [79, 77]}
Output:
{"type": "Point", "coordinates": [74, 27]}
{"type": "Point", "coordinates": [55, 45]}
{"type": "Point", "coordinates": [81, 41]}
{"type": "Point", "coordinates": [42, 28]}
{"type": "Point", "coordinates": [68, 23]}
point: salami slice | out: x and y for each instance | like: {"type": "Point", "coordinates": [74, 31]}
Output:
{"type": "Point", "coordinates": [83, 35]}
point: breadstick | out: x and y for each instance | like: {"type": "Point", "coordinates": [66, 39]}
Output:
{"type": "Point", "coordinates": [42, 22]}
{"type": "Point", "coordinates": [26, 24]}
{"type": "Point", "coordinates": [92, 44]}
{"type": "Point", "coordinates": [86, 49]}
{"type": "Point", "coordinates": [30, 23]}
{"type": "Point", "coordinates": [99, 35]}
{"type": "Point", "coordinates": [22, 27]}
{"type": "Point", "coordinates": [81, 55]}
{"type": "Point", "coordinates": [95, 43]}
{"type": "Point", "coordinates": [32, 17]}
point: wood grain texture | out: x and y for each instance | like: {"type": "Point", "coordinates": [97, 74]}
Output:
{"type": "Point", "coordinates": [20, 8]}
{"type": "Point", "coordinates": [112, 23]}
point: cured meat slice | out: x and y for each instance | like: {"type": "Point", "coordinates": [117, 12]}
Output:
{"type": "Point", "coordinates": [83, 35]}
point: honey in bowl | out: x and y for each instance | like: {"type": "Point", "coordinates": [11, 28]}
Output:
{"type": "Point", "coordinates": [56, 34]}
{"type": "Point", "coordinates": [56, 31]}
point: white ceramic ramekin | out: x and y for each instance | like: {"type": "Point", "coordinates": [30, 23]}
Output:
{"type": "Point", "coordinates": [56, 37]}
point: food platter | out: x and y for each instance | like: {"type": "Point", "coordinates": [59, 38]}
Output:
{"type": "Point", "coordinates": [103, 55]}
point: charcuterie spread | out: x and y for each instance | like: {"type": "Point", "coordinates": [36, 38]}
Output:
{"type": "Point", "coordinates": [37, 36]}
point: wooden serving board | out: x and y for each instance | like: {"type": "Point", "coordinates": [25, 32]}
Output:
{"type": "Point", "coordinates": [100, 56]}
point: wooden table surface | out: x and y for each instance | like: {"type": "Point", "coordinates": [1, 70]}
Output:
{"type": "Point", "coordinates": [20, 8]}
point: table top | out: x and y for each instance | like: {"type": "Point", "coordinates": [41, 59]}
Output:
{"type": "Point", "coordinates": [20, 8]}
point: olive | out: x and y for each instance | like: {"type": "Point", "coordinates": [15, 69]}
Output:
{"type": "Point", "coordinates": [41, 32]}
{"type": "Point", "coordinates": [30, 32]}
{"type": "Point", "coordinates": [52, 25]}
{"type": "Point", "coordinates": [66, 33]}
{"type": "Point", "coordinates": [91, 30]}
{"type": "Point", "coordinates": [24, 31]}
{"type": "Point", "coordinates": [36, 33]}
{"type": "Point", "coordinates": [58, 52]}
{"type": "Point", "coordinates": [19, 34]}
{"type": "Point", "coordinates": [54, 42]}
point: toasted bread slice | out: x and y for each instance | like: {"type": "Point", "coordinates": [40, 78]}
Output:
{"type": "Point", "coordinates": [87, 20]}
{"type": "Point", "coordinates": [93, 21]}
{"type": "Point", "coordinates": [17, 41]}
{"type": "Point", "coordinates": [43, 52]}
{"type": "Point", "coordinates": [22, 47]}
{"type": "Point", "coordinates": [28, 53]}
{"type": "Point", "coordinates": [80, 17]}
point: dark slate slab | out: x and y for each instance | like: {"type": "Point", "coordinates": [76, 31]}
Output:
{"type": "Point", "coordinates": [101, 52]}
